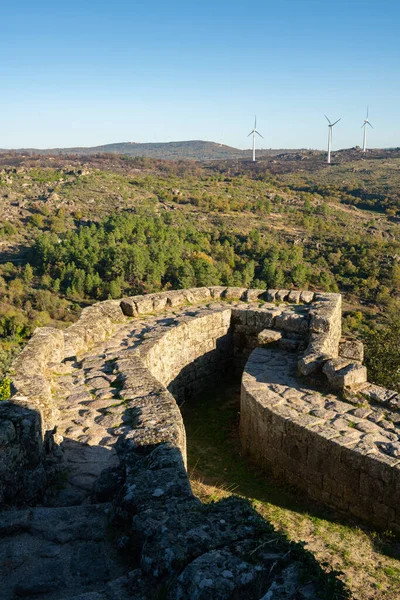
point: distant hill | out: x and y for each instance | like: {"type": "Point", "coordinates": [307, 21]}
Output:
{"type": "Point", "coordinates": [189, 150]}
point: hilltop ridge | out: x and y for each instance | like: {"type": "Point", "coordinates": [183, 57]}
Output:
{"type": "Point", "coordinates": [191, 150]}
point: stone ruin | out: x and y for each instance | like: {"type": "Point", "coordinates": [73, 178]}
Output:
{"type": "Point", "coordinates": [96, 498]}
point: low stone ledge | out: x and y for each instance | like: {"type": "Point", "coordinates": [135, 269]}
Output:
{"type": "Point", "coordinates": [31, 384]}
{"type": "Point", "coordinates": [318, 444]}
{"type": "Point", "coordinates": [95, 324]}
{"type": "Point", "coordinates": [381, 395]}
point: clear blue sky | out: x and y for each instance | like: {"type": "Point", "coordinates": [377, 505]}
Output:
{"type": "Point", "coordinates": [88, 73]}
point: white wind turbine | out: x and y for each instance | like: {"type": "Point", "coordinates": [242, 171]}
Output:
{"type": "Point", "coordinates": [366, 122]}
{"type": "Point", "coordinates": [331, 125]}
{"type": "Point", "coordinates": [253, 132]}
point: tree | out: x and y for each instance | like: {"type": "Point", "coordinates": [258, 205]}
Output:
{"type": "Point", "coordinates": [28, 274]}
{"type": "Point", "coordinates": [382, 352]}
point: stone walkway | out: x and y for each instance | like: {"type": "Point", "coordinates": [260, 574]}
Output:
{"type": "Point", "coordinates": [65, 549]}
{"type": "Point", "coordinates": [366, 428]}
{"type": "Point", "coordinates": [91, 409]}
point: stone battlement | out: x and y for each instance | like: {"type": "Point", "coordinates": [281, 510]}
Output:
{"type": "Point", "coordinates": [100, 401]}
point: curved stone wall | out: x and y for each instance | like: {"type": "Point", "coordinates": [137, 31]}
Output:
{"type": "Point", "coordinates": [339, 453]}
{"type": "Point", "coordinates": [106, 392]}
{"type": "Point", "coordinates": [184, 353]}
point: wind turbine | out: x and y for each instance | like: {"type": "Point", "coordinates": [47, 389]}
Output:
{"type": "Point", "coordinates": [366, 122]}
{"type": "Point", "coordinates": [253, 132]}
{"type": "Point", "coordinates": [331, 125]}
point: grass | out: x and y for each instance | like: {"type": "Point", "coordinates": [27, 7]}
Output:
{"type": "Point", "coordinates": [369, 560]}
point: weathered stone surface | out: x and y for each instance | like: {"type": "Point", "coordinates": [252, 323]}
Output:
{"type": "Point", "coordinates": [270, 295]}
{"type": "Point", "coordinates": [352, 349]}
{"type": "Point", "coordinates": [122, 440]}
{"type": "Point", "coordinates": [290, 321]}
{"type": "Point", "coordinates": [294, 296]}
{"type": "Point", "coordinates": [376, 393]}
{"type": "Point", "coordinates": [311, 363]}
{"type": "Point", "coordinates": [129, 307]}
{"type": "Point", "coordinates": [36, 558]}
{"type": "Point", "coordinates": [282, 295]}
{"type": "Point", "coordinates": [306, 297]}
{"type": "Point", "coordinates": [333, 452]}
{"type": "Point", "coordinates": [342, 373]}
{"type": "Point", "coordinates": [253, 295]}
{"type": "Point", "coordinates": [216, 291]}
{"type": "Point", "coordinates": [219, 574]}
{"type": "Point", "coordinates": [234, 293]}
{"type": "Point", "coordinates": [268, 336]}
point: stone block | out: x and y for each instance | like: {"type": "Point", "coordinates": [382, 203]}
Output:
{"type": "Point", "coordinates": [144, 304]}
{"type": "Point", "coordinates": [217, 291]}
{"type": "Point", "coordinates": [321, 320]}
{"type": "Point", "coordinates": [268, 336]}
{"type": "Point", "coordinates": [176, 298]}
{"type": "Point", "coordinates": [376, 393]}
{"type": "Point", "coordinates": [291, 321]}
{"type": "Point", "coordinates": [306, 297]}
{"type": "Point", "coordinates": [294, 296]}
{"type": "Point", "coordinates": [282, 295]}
{"type": "Point", "coordinates": [343, 374]}
{"type": "Point", "coordinates": [270, 295]}
{"type": "Point", "coordinates": [200, 294]}
{"type": "Point", "coordinates": [253, 295]}
{"type": "Point", "coordinates": [129, 307]}
{"type": "Point", "coordinates": [160, 302]}
{"type": "Point", "coordinates": [311, 363]}
{"type": "Point", "coordinates": [234, 293]}
{"type": "Point", "coordinates": [352, 349]}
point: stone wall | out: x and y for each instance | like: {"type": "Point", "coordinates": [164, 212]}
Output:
{"type": "Point", "coordinates": [28, 422]}
{"type": "Point", "coordinates": [339, 453]}
{"type": "Point", "coordinates": [180, 355]}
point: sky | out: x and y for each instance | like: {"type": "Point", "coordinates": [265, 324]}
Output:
{"type": "Point", "coordinates": [91, 73]}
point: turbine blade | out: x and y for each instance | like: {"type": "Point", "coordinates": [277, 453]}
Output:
{"type": "Point", "coordinates": [250, 134]}
{"type": "Point", "coordinates": [369, 124]}
{"type": "Point", "coordinates": [327, 119]}
{"type": "Point", "coordinates": [336, 121]}
{"type": "Point", "coordinates": [255, 121]}
{"type": "Point", "coordinates": [259, 135]}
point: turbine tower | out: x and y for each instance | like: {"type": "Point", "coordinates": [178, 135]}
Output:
{"type": "Point", "coordinates": [366, 122]}
{"type": "Point", "coordinates": [330, 126]}
{"type": "Point", "coordinates": [253, 132]}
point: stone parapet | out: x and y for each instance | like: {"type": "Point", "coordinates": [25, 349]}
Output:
{"type": "Point", "coordinates": [180, 342]}
{"type": "Point", "coordinates": [338, 454]}
{"type": "Point", "coordinates": [111, 384]}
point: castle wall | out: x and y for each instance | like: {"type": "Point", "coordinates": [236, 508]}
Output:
{"type": "Point", "coordinates": [319, 444]}
{"type": "Point", "coordinates": [186, 340]}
